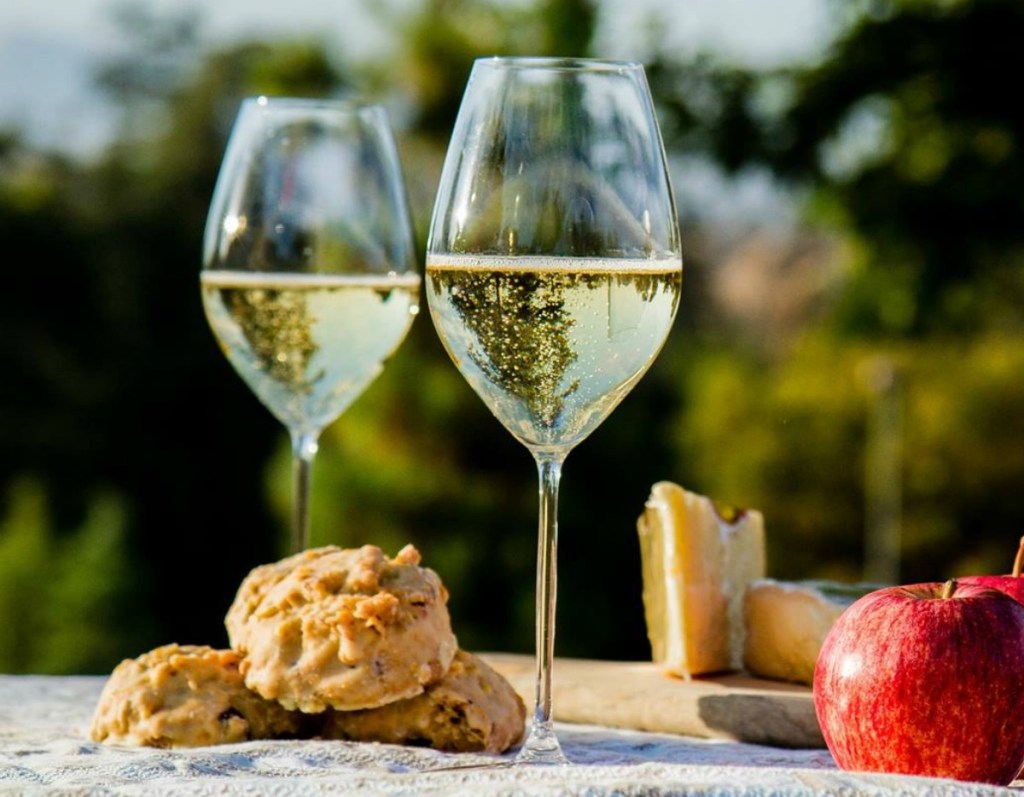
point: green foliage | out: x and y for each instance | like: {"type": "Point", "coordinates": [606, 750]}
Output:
{"type": "Point", "coordinates": [789, 439]}
{"type": "Point", "coordinates": [118, 380]}
{"type": "Point", "coordinates": [23, 554]}
{"type": "Point", "coordinates": [442, 38]}
{"type": "Point", "coordinates": [140, 479]}
{"type": "Point", "coordinates": [784, 437]}
{"type": "Point", "coordinates": [904, 138]}
{"type": "Point", "coordinates": [63, 599]}
{"type": "Point", "coordinates": [907, 127]}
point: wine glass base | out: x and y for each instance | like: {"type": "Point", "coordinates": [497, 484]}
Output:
{"type": "Point", "coordinates": [541, 747]}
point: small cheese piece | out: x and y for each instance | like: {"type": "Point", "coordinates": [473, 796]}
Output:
{"type": "Point", "coordinates": [786, 623]}
{"type": "Point", "coordinates": [696, 567]}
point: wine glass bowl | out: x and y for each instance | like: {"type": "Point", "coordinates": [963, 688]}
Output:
{"type": "Point", "coordinates": [309, 278]}
{"type": "Point", "coordinates": [552, 349]}
{"type": "Point", "coordinates": [553, 270]}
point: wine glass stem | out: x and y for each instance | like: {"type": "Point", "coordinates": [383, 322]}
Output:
{"type": "Point", "coordinates": [304, 448]}
{"type": "Point", "coordinates": [541, 744]}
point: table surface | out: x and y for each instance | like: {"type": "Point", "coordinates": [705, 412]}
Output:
{"type": "Point", "coordinates": [44, 749]}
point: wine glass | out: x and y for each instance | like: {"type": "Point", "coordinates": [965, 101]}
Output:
{"type": "Point", "coordinates": [309, 277]}
{"type": "Point", "coordinates": [553, 271]}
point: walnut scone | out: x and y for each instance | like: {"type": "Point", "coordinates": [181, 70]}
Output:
{"type": "Point", "coordinates": [187, 696]}
{"type": "Point", "coordinates": [472, 709]}
{"type": "Point", "coordinates": [344, 628]}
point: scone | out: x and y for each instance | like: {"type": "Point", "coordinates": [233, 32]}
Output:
{"type": "Point", "coordinates": [344, 628]}
{"type": "Point", "coordinates": [472, 709]}
{"type": "Point", "coordinates": [186, 696]}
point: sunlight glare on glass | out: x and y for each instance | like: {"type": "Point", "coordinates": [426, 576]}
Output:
{"type": "Point", "coordinates": [233, 225]}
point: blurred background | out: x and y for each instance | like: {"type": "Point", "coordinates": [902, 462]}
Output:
{"type": "Point", "coordinates": [847, 357]}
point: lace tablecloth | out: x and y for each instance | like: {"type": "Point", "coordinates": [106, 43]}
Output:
{"type": "Point", "coordinates": [44, 749]}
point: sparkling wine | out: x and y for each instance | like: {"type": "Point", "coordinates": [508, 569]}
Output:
{"type": "Point", "coordinates": [552, 345]}
{"type": "Point", "coordinates": [308, 344]}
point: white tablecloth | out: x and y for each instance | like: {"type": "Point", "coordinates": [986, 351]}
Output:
{"type": "Point", "coordinates": [44, 749]}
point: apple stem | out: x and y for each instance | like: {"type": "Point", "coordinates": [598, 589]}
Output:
{"type": "Point", "coordinates": [1018, 561]}
{"type": "Point", "coordinates": [948, 589]}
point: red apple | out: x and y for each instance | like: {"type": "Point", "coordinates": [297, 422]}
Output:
{"type": "Point", "coordinates": [1012, 585]}
{"type": "Point", "coordinates": [925, 679]}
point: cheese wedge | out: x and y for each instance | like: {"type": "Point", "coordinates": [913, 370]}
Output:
{"type": "Point", "coordinates": [696, 567]}
{"type": "Point", "coordinates": [787, 621]}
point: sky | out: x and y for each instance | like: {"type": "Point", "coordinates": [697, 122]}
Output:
{"type": "Point", "coordinates": [48, 47]}
{"type": "Point", "coordinates": [755, 30]}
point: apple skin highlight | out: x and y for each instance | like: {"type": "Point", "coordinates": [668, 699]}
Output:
{"type": "Point", "coordinates": [914, 682]}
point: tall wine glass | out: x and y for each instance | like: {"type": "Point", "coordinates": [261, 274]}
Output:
{"type": "Point", "coordinates": [553, 271]}
{"type": "Point", "coordinates": [309, 278]}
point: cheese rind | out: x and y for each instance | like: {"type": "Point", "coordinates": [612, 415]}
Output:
{"type": "Point", "coordinates": [696, 566]}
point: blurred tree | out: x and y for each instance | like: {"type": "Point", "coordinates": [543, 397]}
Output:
{"type": "Point", "coordinates": [140, 479]}
{"type": "Point", "coordinates": [906, 131]}
{"type": "Point", "coordinates": [903, 137]}
{"type": "Point", "coordinates": [473, 511]}
{"type": "Point", "coordinates": [67, 595]}
{"type": "Point", "coordinates": [122, 390]}
{"type": "Point", "coordinates": [118, 388]}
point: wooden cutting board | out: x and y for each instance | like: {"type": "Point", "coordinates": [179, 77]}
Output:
{"type": "Point", "coordinates": [640, 696]}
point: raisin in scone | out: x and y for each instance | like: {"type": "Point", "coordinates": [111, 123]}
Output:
{"type": "Point", "coordinates": [186, 696]}
{"type": "Point", "coordinates": [472, 709]}
{"type": "Point", "coordinates": [344, 628]}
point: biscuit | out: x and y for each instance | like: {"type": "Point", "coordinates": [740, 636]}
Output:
{"type": "Point", "coordinates": [472, 709]}
{"type": "Point", "coordinates": [344, 628]}
{"type": "Point", "coordinates": [186, 696]}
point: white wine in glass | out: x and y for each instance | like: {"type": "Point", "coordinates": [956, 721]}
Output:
{"type": "Point", "coordinates": [309, 277]}
{"type": "Point", "coordinates": [554, 271]}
